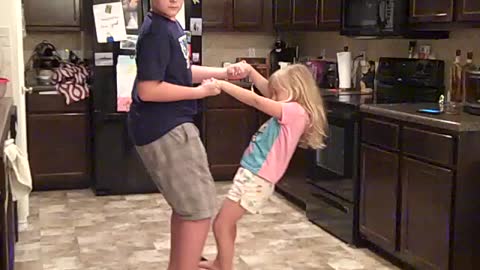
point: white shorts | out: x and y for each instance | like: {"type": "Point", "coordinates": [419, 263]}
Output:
{"type": "Point", "coordinates": [250, 190]}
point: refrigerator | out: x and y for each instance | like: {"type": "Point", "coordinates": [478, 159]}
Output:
{"type": "Point", "coordinates": [116, 166]}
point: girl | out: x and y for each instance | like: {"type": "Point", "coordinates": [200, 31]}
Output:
{"type": "Point", "coordinates": [293, 100]}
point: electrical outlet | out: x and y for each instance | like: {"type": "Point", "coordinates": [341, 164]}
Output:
{"type": "Point", "coordinates": [251, 52]}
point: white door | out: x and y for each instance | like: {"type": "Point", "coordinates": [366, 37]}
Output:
{"type": "Point", "coordinates": [11, 62]}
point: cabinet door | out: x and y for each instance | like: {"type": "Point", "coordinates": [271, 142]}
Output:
{"type": "Point", "coordinates": [248, 14]}
{"type": "Point", "coordinates": [379, 196]}
{"type": "Point", "coordinates": [305, 13]}
{"type": "Point", "coordinates": [431, 11]}
{"type": "Point", "coordinates": [227, 134]}
{"type": "Point", "coordinates": [282, 13]}
{"type": "Point", "coordinates": [58, 150]}
{"type": "Point", "coordinates": [216, 14]}
{"type": "Point", "coordinates": [426, 208]}
{"type": "Point", "coordinates": [468, 10]}
{"type": "Point", "coordinates": [329, 14]}
{"type": "Point", "coordinates": [61, 13]}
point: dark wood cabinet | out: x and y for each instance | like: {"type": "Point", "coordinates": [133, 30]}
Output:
{"type": "Point", "coordinates": [329, 14]}
{"type": "Point", "coordinates": [58, 142]}
{"type": "Point", "coordinates": [305, 13]}
{"type": "Point", "coordinates": [228, 126]}
{"type": "Point", "coordinates": [247, 14]}
{"type": "Point", "coordinates": [468, 10]}
{"type": "Point", "coordinates": [426, 208]}
{"type": "Point", "coordinates": [237, 15]}
{"type": "Point", "coordinates": [51, 14]}
{"type": "Point", "coordinates": [215, 13]}
{"type": "Point", "coordinates": [282, 13]}
{"type": "Point", "coordinates": [378, 196]}
{"type": "Point", "coordinates": [429, 220]}
{"type": "Point", "coordinates": [422, 11]}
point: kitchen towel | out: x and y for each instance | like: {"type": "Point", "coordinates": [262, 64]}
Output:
{"type": "Point", "coordinates": [18, 171]}
{"type": "Point", "coordinates": [344, 60]}
{"type": "Point", "coordinates": [71, 81]}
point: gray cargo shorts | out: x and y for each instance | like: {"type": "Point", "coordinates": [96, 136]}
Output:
{"type": "Point", "coordinates": [177, 163]}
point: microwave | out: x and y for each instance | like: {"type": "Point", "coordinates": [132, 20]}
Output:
{"type": "Point", "coordinates": [374, 18]}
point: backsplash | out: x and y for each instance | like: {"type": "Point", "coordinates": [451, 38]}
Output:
{"type": "Point", "coordinates": [226, 47]}
{"type": "Point", "coordinates": [312, 44]}
{"type": "Point", "coordinates": [64, 40]}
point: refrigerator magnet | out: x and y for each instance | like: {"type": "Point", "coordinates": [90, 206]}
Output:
{"type": "Point", "coordinates": [196, 58]}
{"type": "Point", "coordinates": [196, 26]}
{"type": "Point", "coordinates": [103, 59]}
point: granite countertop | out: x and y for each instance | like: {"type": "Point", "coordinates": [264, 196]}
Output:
{"type": "Point", "coordinates": [353, 98]}
{"type": "Point", "coordinates": [461, 122]}
{"type": "Point", "coordinates": [6, 110]}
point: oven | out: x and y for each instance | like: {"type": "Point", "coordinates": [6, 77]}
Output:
{"type": "Point", "coordinates": [332, 178]}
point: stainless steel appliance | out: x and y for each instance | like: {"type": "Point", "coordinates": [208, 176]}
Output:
{"type": "Point", "coordinates": [325, 72]}
{"type": "Point", "coordinates": [381, 18]}
{"type": "Point", "coordinates": [332, 176]}
{"type": "Point", "coordinates": [409, 80]}
{"type": "Point", "coordinates": [472, 92]}
{"type": "Point", "coordinates": [374, 17]}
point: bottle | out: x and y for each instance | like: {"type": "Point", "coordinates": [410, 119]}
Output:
{"type": "Point", "coordinates": [469, 66]}
{"type": "Point", "coordinates": [455, 94]}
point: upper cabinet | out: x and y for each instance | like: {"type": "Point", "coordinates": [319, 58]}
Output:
{"type": "Point", "coordinates": [215, 13]}
{"type": "Point", "coordinates": [306, 14]}
{"type": "Point", "coordinates": [282, 13]}
{"type": "Point", "coordinates": [241, 15]}
{"type": "Point", "coordinates": [329, 13]}
{"type": "Point", "coordinates": [422, 11]}
{"type": "Point", "coordinates": [52, 14]}
{"type": "Point", "coordinates": [468, 10]}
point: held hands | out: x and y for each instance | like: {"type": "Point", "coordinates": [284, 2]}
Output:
{"type": "Point", "coordinates": [210, 87]}
{"type": "Point", "coordinates": [238, 71]}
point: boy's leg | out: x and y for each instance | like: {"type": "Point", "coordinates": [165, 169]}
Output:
{"type": "Point", "coordinates": [225, 231]}
{"type": "Point", "coordinates": [178, 164]}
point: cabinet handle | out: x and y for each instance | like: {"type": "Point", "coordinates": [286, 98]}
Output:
{"type": "Point", "coordinates": [27, 90]}
{"type": "Point", "coordinates": [75, 11]}
{"type": "Point", "coordinates": [441, 14]}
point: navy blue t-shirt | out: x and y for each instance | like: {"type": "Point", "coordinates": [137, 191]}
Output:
{"type": "Point", "coordinates": [162, 55]}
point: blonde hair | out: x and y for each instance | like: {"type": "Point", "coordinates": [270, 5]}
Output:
{"type": "Point", "coordinates": [302, 88]}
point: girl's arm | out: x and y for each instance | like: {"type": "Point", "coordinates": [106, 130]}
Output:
{"type": "Point", "coordinates": [232, 72]}
{"type": "Point", "coordinates": [266, 105]}
{"type": "Point", "coordinates": [260, 82]}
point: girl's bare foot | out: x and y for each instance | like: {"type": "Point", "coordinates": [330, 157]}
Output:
{"type": "Point", "coordinates": [210, 265]}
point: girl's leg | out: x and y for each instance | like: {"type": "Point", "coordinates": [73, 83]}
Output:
{"type": "Point", "coordinates": [225, 231]}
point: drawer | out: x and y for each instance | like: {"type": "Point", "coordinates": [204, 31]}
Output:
{"type": "Point", "coordinates": [431, 146]}
{"type": "Point", "coordinates": [53, 103]}
{"type": "Point", "coordinates": [380, 133]}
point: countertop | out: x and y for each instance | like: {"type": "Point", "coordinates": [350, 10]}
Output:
{"type": "Point", "coordinates": [6, 110]}
{"type": "Point", "coordinates": [353, 98]}
{"type": "Point", "coordinates": [461, 122]}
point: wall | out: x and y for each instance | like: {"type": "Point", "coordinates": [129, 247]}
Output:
{"type": "Point", "coordinates": [62, 40]}
{"type": "Point", "coordinates": [11, 62]}
{"type": "Point", "coordinates": [219, 47]}
{"type": "Point", "coordinates": [312, 43]}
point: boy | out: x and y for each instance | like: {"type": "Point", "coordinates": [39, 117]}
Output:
{"type": "Point", "coordinates": [161, 125]}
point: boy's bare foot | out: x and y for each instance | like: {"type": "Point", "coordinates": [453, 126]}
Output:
{"type": "Point", "coordinates": [210, 265]}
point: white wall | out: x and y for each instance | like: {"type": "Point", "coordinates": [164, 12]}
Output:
{"type": "Point", "coordinates": [11, 61]}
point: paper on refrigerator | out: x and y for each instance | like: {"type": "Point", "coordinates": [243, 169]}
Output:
{"type": "Point", "coordinates": [126, 72]}
{"type": "Point", "coordinates": [109, 22]}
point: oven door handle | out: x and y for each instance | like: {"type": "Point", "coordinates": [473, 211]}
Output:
{"type": "Point", "coordinates": [331, 202]}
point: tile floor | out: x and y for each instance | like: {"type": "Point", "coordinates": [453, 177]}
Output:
{"type": "Point", "coordinates": [72, 230]}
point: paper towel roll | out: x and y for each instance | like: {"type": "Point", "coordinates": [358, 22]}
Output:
{"type": "Point", "coordinates": [344, 60]}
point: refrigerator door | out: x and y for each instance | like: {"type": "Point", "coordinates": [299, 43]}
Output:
{"type": "Point", "coordinates": [118, 168]}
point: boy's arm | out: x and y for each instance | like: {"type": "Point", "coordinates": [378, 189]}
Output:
{"type": "Point", "coordinates": [201, 73]}
{"type": "Point", "coordinates": [157, 91]}
{"type": "Point", "coordinates": [233, 72]}
{"type": "Point", "coordinates": [266, 105]}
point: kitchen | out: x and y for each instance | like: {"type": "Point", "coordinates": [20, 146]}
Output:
{"type": "Point", "coordinates": [373, 134]}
